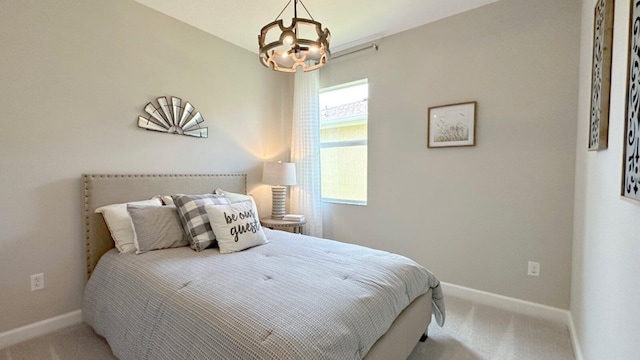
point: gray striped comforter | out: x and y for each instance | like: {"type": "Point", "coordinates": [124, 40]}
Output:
{"type": "Point", "coordinates": [293, 298]}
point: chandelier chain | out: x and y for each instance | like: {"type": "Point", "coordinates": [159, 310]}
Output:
{"type": "Point", "coordinates": [283, 9]}
{"type": "Point", "coordinates": [305, 9]}
{"type": "Point", "coordinates": [295, 10]}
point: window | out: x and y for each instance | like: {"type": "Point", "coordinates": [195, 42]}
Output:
{"type": "Point", "coordinates": [343, 142]}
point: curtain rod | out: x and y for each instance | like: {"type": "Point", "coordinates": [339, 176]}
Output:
{"type": "Point", "coordinates": [373, 46]}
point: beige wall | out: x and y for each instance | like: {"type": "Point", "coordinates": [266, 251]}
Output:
{"type": "Point", "coordinates": [74, 76]}
{"type": "Point", "coordinates": [473, 215]}
{"type": "Point", "coordinates": [606, 245]}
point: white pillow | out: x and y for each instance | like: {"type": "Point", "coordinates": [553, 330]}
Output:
{"type": "Point", "coordinates": [166, 199]}
{"type": "Point", "coordinates": [120, 225]}
{"type": "Point", "coordinates": [236, 226]}
{"type": "Point", "coordinates": [233, 197]}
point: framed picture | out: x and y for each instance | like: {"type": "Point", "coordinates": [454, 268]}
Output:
{"type": "Point", "coordinates": [631, 138]}
{"type": "Point", "coordinates": [601, 74]}
{"type": "Point", "coordinates": [452, 125]}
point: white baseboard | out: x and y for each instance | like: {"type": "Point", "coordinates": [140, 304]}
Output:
{"type": "Point", "coordinates": [507, 303]}
{"type": "Point", "coordinates": [577, 350]}
{"type": "Point", "coordinates": [518, 306]}
{"type": "Point", "coordinates": [39, 328]}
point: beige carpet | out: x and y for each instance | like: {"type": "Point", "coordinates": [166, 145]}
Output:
{"type": "Point", "coordinates": [471, 332]}
{"type": "Point", "coordinates": [475, 331]}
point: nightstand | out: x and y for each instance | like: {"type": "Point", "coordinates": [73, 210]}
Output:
{"type": "Point", "coordinates": [294, 226]}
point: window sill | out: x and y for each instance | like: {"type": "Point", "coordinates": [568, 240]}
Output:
{"type": "Point", "coordinates": [344, 202]}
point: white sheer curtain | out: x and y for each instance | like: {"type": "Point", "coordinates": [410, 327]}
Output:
{"type": "Point", "coordinates": [305, 151]}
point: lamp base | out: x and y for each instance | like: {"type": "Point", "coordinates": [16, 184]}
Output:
{"type": "Point", "coordinates": [278, 195]}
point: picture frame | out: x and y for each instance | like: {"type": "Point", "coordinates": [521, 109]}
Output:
{"type": "Point", "coordinates": [630, 188]}
{"type": "Point", "coordinates": [601, 75]}
{"type": "Point", "coordinates": [451, 125]}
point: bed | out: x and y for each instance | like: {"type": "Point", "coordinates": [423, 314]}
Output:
{"type": "Point", "coordinates": [178, 303]}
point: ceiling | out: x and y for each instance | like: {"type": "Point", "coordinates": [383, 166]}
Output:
{"type": "Point", "coordinates": [351, 22]}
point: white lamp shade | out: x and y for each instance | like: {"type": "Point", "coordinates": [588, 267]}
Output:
{"type": "Point", "coordinates": [279, 173]}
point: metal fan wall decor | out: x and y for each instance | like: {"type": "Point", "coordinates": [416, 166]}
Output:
{"type": "Point", "coordinates": [173, 118]}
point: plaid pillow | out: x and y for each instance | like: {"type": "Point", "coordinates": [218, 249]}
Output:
{"type": "Point", "coordinates": [194, 219]}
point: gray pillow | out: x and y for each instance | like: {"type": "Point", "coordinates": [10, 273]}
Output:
{"type": "Point", "coordinates": [156, 227]}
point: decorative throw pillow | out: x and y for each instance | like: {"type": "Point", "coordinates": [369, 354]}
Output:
{"type": "Point", "coordinates": [193, 217]}
{"type": "Point", "coordinates": [156, 227]}
{"type": "Point", "coordinates": [119, 223]}
{"type": "Point", "coordinates": [166, 199]}
{"type": "Point", "coordinates": [233, 197]}
{"type": "Point", "coordinates": [237, 226]}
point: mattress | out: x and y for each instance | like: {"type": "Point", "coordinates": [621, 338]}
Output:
{"type": "Point", "coordinates": [296, 297]}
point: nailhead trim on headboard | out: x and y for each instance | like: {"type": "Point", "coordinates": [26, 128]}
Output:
{"type": "Point", "coordinates": [87, 210]}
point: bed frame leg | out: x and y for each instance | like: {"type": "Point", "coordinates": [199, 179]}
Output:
{"type": "Point", "coordinates": [424, 337]}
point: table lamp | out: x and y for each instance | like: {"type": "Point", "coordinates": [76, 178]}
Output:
{"type": "Point", "coordinates": [279, 175]}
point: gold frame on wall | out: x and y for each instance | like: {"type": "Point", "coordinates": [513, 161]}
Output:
{"type": "Point", "coordinates": [451, 125]}
{"type": "Point", "coordinates": [631, 140]}
{"type": "Point", "coordinates": [601, 75]}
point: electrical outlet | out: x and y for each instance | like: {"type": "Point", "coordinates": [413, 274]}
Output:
{"type": "Point", "coordinates": [37, 282]}
{"type": "Point", "coordinates": [534, 269]}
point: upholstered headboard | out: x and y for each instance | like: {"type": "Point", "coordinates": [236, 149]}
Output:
{"type": "Point", "coordinates": [100, 190]}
